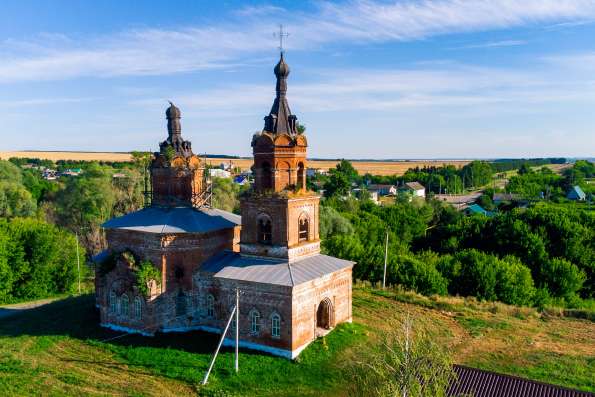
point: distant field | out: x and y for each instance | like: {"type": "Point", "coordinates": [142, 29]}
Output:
{"type": "Point", "coordinates": [363, 167]}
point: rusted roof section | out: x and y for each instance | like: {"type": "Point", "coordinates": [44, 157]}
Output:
{"type": "Point", "coordinates": [175, 220]}
{"type": "Point", "coordinates": [472, 382]}
{"type": "Point", "coordinates": [233, 266]}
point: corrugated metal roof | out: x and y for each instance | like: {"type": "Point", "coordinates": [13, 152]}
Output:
{"type": "Point", "coordinates": [475, 382]}
{"type": "Point", "coordinates": [175, 220]}
{"type": "Point", "coordinates": [234, 266]}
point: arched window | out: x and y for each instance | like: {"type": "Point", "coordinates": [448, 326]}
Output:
{"type": "Point", "coordinates": [265, 235]}
{"type": "Point", "coordinates": [210, 306]}
{"type": "Point", "coordinates": [138, 308]}
{"type": "Point", "coordinates": [113, 300]}
{"type": "Point", "coordinates": [301, 179]}
{"type": "Point", "coordinates": [304, 228]}
{"type": "Point", "coordinates": [124, 305]}
{"type": "Point", "coordinates": [275, 325]}
{"type": "Point", "coordinates": [254, 322]}
{"type": "Point", "coordinates": [266, 175]}
{"type": "Point", "coordinates": [181, 304]}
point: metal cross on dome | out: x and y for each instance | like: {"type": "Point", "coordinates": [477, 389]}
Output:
{"type": "Point", "coordinates": [281, 34]}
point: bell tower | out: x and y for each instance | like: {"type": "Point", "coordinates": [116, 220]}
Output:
{"type": "Point", "coordinates": [279, 214]}
{"type": "Point", "coordinates": [177, 175]}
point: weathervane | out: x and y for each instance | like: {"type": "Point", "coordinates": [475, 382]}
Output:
{"type": "Point", "coordinates": [281, 34]}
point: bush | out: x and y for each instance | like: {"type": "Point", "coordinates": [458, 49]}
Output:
{"type": "Point", "coordinates": [485, 276]}
{"type": "Point", "coordinates": [562, 278]}
{"type": "Point", "coordinates": [41, 260]}
{"type": "Point", "coordinates": [146, 272]}
{"type": "Point", "coordinates": [417, 275]}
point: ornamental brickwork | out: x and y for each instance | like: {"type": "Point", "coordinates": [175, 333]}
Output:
{"type": "Point", "coordinates": [290, 294]}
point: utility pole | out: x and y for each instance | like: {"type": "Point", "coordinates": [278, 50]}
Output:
{"type": "Point", "coordinates": [385, 259]}
{"type": "Point", "coordinates": [206, 378]}
{"type": "Point", "coordinates": [237, 329]}
{"type": "Point", "coordinates": [78, 261]}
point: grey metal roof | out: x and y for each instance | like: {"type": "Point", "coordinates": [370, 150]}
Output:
{"type": "Point", "coordinates": [175, 220]}
{"type": "Point", "coordinates": [233, 266]}
{"type": "Point", "coordinates": [478, 383]}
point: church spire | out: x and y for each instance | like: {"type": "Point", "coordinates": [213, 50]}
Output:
{"type": "Point", "coordinates": [280, 120]}
{"type": "Point", "coordinates": [174, 133]}
{"type": "Point", "coordinates": [174, 128]}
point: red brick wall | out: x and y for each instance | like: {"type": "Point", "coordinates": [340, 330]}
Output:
{"type": "Point", "coordinates": [306, 298]}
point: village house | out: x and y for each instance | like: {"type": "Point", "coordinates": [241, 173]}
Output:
{"type": "Point", "coordinates": [383, 190]}
{"type": "Point", "coordinates": [577, 194]}
{"type": "Point", "coordinates": [415, 189]}
{"type": "Point", "coordinates": [177, 264]}
{"type": "Point", "coordinates": [219, 173]}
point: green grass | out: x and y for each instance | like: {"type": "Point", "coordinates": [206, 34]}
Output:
{"type": "Point", "coordinates": [36, 345]}
{"type": "Point", "coordinates": [59, 349]}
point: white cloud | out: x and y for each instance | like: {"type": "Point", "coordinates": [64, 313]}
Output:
{"type": "Point", "coordinates": [493, 44]}
{"type": "Point", "coordinates": [249, 32]}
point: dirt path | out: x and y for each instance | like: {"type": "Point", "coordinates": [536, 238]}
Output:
{"type": "Point", "coordinates": [9, 310]}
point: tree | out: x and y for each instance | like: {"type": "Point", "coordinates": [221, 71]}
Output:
{"type": "Point", "coordinates": [337, 185]}
{"type": "Point", "coordinates": [332, 223]}
{"type": "Point", "coordinates": [562, 278]}
{"type": "Point", "coordinates": [41, 258]}
{"type": "Point", "coordinates": [10, 172]}
{"type": "Point", "coordinates": [407, 362]}
{"type": "Point", "coordinates": [15, 200]}
{"type": "Point", "coordinates": [85, 203]}
{"type": "Point", "coordinates": [226, 195]}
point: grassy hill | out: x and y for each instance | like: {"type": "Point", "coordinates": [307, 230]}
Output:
{"type": "Point", "coordinates": [58, 349]}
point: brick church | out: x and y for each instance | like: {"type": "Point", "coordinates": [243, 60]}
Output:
{"type": "Point", "coordinates": [176, 264]}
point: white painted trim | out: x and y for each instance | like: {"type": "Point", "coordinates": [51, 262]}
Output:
{"type": "Point", "coordinates": [275, 351]}
{"type": "Point", "coordinates": [230, 342]}
{"type": "Point", "coordinates": [120, 328]}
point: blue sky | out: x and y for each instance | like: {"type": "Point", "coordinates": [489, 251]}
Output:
{"type": "Point", "coordinates": [370, 79]}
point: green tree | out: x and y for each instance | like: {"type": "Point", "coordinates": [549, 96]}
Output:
{"type": "Point", "coordinates": [10, 172]}
{"type": "Point", "coordinates": [562, 278]}
{"type": "Point", "coordinates": [226, 194]}
{"type": "Point", "coordinates": [85, 203]}
{"type": "Point", "coordinates": [15, 200]}
{"type": "Point", "coordinates": [408, 362]}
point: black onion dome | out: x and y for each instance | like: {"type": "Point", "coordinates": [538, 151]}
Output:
{"type": "Point", "coordinates": [172, 112]}
{"type": "Point", "coordinates": [282, 69]}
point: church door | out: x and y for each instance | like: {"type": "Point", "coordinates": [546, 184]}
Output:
{"type": "Point", "coordinates": [324, 314]}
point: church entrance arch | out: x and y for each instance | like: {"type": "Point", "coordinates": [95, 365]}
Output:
{"type": "Point", "coordinates": [325, 314]}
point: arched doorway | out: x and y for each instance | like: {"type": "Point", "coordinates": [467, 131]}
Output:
{"type": "Point", "coordinates": [325, 315]}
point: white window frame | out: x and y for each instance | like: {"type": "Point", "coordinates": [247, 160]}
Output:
{"type": "Point", "coordinates": [275, 325]}
{"type": "Point", "coordinates": [138, 308]}
{"type": "Point", "coordinates": [113, 302]}
{"type": "Point", "coordinates": [210, 306]}
{"type": "Point", "coordinates": [126, 312]}
{"type": "Point", "coordinates": [254, 322]}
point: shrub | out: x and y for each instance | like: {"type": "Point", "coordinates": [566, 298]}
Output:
{"type": "Point", "coordinates": [561, 277]}
{"type": "Point", "coordinates": [146, 272]}
{"type": "Point", "coordinates": [418, 275]}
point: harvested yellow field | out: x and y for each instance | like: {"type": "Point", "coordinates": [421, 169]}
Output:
{"type": "Point", "coordinates": [75, 156]}
{"type": "Point", "coordinates": [362, 167]}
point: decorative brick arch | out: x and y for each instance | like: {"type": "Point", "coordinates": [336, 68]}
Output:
{"type": "Point", "coordinates": [304, 223]}
{"type": "Point", "coordinates": [264, 228]}
{"type": "Point", "coordinates": [283, 171]}
{"type": "Point", "coordinates": [325, 314]}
